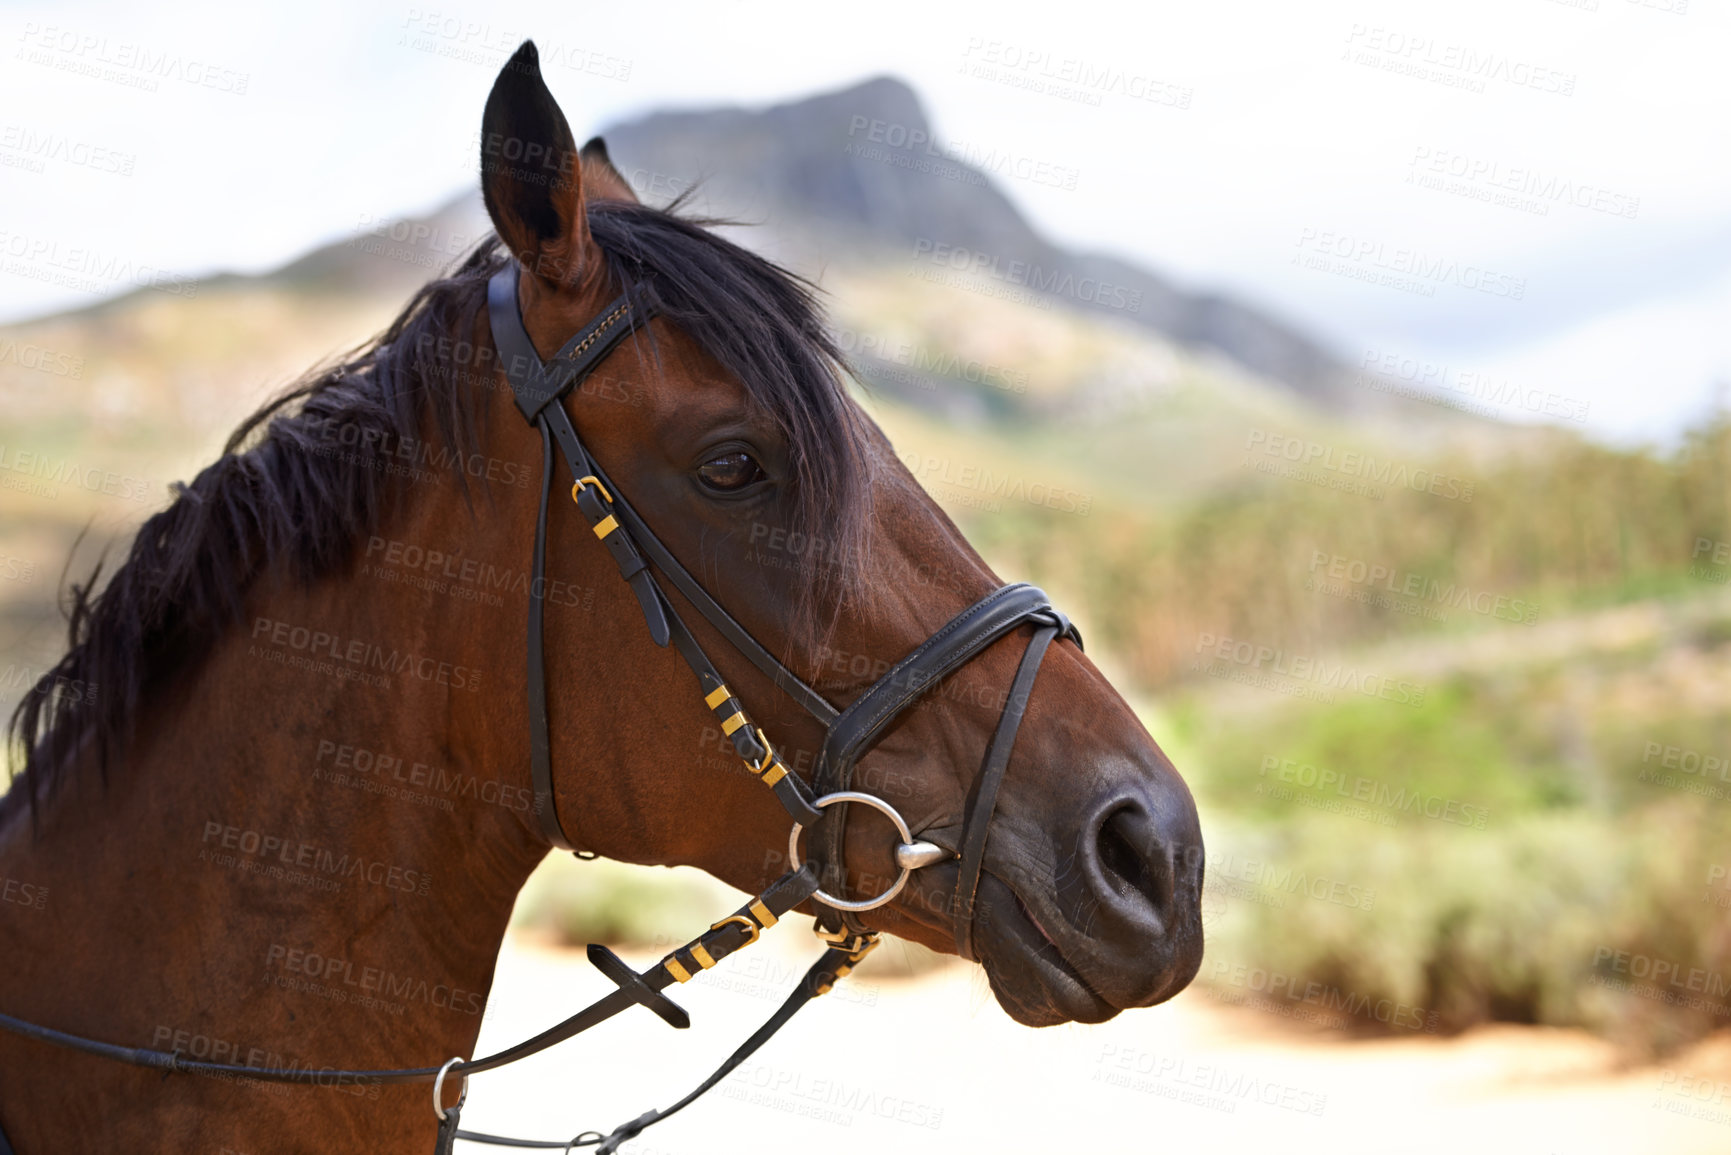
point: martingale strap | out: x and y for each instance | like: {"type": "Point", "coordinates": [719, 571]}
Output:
{"type": "Point", "coordinates": [733, 933]}
{"type": "Point", "coordinates": [837, 961]}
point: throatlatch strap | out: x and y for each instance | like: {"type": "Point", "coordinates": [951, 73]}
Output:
{"type": "Point", "coordinates": [540, 741]}
{"type": "Point", "coordinates": [536, 386]}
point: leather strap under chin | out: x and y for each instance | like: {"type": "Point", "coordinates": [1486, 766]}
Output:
{"type": "Point", "coordinates": [538, 385]}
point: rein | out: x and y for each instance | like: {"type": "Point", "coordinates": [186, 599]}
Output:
{"type": "Point", "coordinates": [538, 386]}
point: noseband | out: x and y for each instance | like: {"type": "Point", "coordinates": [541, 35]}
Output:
{"type": "Point", "coordinates": [850, 733]}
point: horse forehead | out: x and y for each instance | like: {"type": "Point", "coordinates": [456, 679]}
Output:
{"type": "Point", "coordinates": [683, 383]}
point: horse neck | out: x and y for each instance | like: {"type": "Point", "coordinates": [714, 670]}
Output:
{"type": "Point", "coordinates": [312, 847]}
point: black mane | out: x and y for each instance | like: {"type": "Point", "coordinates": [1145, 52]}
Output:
{"type": "Point", "coordinates": [286, 499]}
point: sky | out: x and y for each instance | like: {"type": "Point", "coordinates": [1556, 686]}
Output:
{"type": "Point", "coordinates": [1525, 198]}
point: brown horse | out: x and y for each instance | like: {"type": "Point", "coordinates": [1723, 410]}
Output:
{"type": "Point", "coordinates": [292, 724]}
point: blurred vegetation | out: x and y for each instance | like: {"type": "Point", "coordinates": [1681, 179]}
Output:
{"type": "Point", "coordinates": [1571, 527]}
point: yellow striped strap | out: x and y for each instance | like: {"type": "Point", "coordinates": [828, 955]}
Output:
{"type": "Point", "coordinates": [733, 723]}
{"type": "Point", "coordinates": [677, 971]}
{"type": "Point", "coordinates": [765, 917]}
{"type": "Point", "coordinates": [717, 696]}
{"type": "Point", "coordinates": [702, 956]}
{"type": "Point", "coordinates": [606, 526]}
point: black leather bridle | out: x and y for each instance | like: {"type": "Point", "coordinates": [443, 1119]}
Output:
{"type": "Point", "coordinates": [850, 733]}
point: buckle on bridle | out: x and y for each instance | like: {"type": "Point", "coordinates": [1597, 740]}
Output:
{"type": "Point", "coordinates": [857, 946]}
{"type": "Point", "coordinates": [585, 482]}
{"type": "Point", "coordinates": [751, 928]}
{"type": "Point", "coordinates": [771, 769]}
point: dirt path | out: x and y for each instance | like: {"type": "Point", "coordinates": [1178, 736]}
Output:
{"type": "Point", "coordinates": [931, 1065]}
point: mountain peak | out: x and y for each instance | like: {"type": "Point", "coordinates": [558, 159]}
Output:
{"type": "Point", "coordinates": [858, 174]}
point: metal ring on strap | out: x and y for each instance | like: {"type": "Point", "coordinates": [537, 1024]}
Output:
{"type": "Point", "coordinates": [881, 807]}
{"type": "Point", "coordinates": [439, 1088]}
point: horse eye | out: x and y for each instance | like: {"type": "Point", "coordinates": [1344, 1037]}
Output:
{"type": "Point", "coordinates": [729, 472]}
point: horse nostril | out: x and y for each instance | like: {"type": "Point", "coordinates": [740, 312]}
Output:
{"type": "Point", "coordinates": [1132, 859]}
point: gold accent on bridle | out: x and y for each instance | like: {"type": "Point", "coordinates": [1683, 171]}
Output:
{"type": "Point", "coordinates": [595, 334]}
{"type": "Point", "coordinates": [590, 479]}
{"type": "Point", "coordinates": [751, 928]}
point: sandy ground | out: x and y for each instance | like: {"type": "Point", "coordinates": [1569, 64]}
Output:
{"type": "Point", "coordinates": [930, 1064]}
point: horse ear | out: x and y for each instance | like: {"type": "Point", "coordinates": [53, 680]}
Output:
{"type": "Point", "coordinates": [601, 178]}
{"type": "Point", "coordinates": [530, 175]}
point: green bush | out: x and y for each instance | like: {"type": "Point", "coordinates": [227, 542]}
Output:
{"type": "Point", "coordinates": [1519, 922]}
